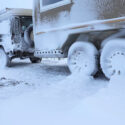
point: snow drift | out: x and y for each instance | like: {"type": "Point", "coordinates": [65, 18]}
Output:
{"type": "Point", "coordinates": [76, 100]}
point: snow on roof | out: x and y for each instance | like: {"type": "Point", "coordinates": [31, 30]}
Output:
{"type": "Point", "coordinates": [14, 11]}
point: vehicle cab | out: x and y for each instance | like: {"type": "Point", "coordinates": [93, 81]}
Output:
{"type": "Point", "coordinates": [16, 34]}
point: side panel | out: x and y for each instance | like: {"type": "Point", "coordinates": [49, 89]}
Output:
{"type": "Point", "coordinates": [5, 27]}
{"type": "Point", "coordinates": [5, 35]}
{"type": "Point", "coordinates": [79, 11]}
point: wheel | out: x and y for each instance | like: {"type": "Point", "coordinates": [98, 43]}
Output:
{"type": "Point", "coordinates": [4, 59]}
{"type": "Point", "coordinates": [35, 60]}
{"type": "Point", "coordinates": [28, 36]}
{"type": "Point", "coordinates": [112, 58]}
{"type": "Point", "coordinates": [82, 57]}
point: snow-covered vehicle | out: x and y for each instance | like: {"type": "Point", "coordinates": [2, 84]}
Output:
{"type": "Point", "coordinates": [89, 32]}
{"type": "Point", "coordinates": [16, 35]}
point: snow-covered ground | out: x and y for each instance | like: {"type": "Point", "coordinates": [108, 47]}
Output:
{"type": "Point", "coordinates": [47, 94]}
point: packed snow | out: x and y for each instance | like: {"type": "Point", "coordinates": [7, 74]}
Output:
{"type": "Point", "coordinates": [47, 94]}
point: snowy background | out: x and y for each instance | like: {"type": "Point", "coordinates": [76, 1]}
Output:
{"type": "Point", "coordinates": [47, 94]}
{"type": "Point", "coordinates": [15, 3]}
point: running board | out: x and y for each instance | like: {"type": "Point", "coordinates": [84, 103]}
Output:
{"type": "Point", "coordinates": [49, 54]}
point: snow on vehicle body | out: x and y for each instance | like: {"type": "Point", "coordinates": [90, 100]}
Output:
{"type": "Point", "coordinates": [14, 34]}
{"type": "Point", "coordinates": [63, 27]}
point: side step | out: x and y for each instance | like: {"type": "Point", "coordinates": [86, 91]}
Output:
{"type": "Point", "coordinates": [49, 53]}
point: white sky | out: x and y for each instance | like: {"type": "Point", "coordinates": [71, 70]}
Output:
{"type": "Point", "coordinates": [15, 4]}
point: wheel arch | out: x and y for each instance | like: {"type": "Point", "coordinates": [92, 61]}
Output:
{"type": "Point", "coordinates": [118, 34]}
{"type": "Point", "coordinates": [98, 38]}
{"type": "Point", "coordinates": [1, 46]}
{"type": "Point", "coordinates": [4, 48]}
{"type": "Point", "coordinates": [76, 38]}
{"type": "Point", "coordinates": [70, 40]}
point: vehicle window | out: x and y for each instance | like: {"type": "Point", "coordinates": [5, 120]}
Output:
{"type": "Point", "coordinates": [25, 22]}
{"type": "Point", "coordinates": [48, 2]}
{"type": "Point", "coordinates": [46, 5]}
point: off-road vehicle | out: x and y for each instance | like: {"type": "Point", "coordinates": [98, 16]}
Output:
{"type": "Point", "coordinates": [90, 33]}
{"type": "Point", "coordinates": [16, 36]}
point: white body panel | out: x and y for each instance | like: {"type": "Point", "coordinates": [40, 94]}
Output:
{"type": "Point", "coordinates": [5, 27]}
{"type": "Point", "coordinates": [53, 26]}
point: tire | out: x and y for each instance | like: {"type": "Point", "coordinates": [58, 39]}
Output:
{"type": "Point", "coordinates": [35, 60]}
{"type": "Point", "coordinates": [27, 36]}
{"type": "Point", "coordinates": [4, 59]}
{"type": "Point", "coordinates": [82, 57]}
{"type": "Point", "coordinates": [112, 58]}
